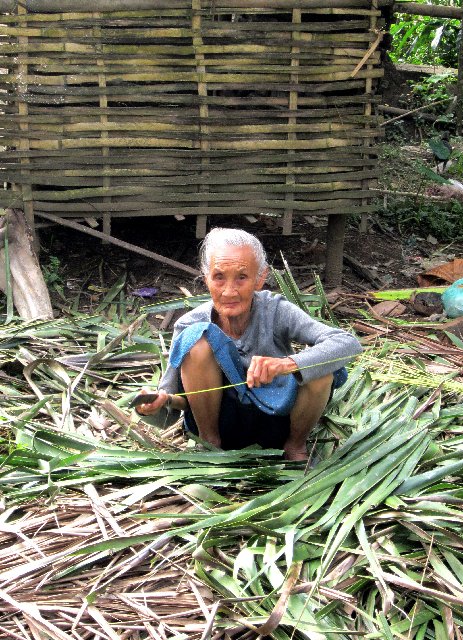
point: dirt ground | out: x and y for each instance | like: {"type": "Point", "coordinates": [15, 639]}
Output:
{"type": "Point", "coordinates": [83, 264]}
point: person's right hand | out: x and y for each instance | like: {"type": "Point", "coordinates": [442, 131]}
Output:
{"type": "Point", "coordinates": [263, 369]}
{"type": "Point", "coordinates": [151, 408]}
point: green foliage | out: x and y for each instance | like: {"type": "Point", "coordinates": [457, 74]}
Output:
{"type": "Point", "coordinates": [428, 174]}
{"type": "Point", "coordinates": [439, 149]}
{"type": "Point", "coordinates": [436, 92]}
{"type": "Point", "coordinates": [415, 217]}
{"type": "Point", "coordinates": [456, 168]}
{"type": "Point", "coordinates": [51, 273]}
{"type": "Point", "coordinates": [425, 40]}
{"type": "Point", "coordinates": [402, 172]}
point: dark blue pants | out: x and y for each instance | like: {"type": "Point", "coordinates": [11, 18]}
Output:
{"type": "Point", "coordinates": [243, 425]}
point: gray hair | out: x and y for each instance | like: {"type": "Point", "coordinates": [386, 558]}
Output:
{"type": "Point", "coordinates": [233, 238]}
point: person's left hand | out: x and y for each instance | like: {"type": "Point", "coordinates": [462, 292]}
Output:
{"type": "Point", "coordinates": [151, 408]}
{"type": "Point", "coordinates": [264, 369]}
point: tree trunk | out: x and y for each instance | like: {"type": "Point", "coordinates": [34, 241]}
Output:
{"type": "Point", "coordinates": [30, 293]}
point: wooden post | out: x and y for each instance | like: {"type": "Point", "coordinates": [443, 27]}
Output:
{"type": "Point", "coordinates": [293, 95]}
{"type": "Point", "coordinates": [335, 249]}
{"type": "Point", "coordinates": [363, 227]}
{"type": "Point", "coordinates": [201, 220]}
{"type": "Point", "coordinates": [103, 100]}
{"type": "Point", "coordinates": [23, 144]}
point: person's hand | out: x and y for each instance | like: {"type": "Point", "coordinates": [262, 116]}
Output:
{"type": "Point", "coordinates": [264, 369]}
{"type": "Point", "coordinates": [151, 408]}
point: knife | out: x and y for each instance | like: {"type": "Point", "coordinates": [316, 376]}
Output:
{"type": "Point", "coordinates": [142, 398]}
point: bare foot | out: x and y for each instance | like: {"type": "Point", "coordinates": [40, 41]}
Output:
{"type": "Point", "coordinates": [213, 440]}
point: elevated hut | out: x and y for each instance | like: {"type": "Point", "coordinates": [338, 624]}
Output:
{"type": "Point", "coordinates": [123, 108]}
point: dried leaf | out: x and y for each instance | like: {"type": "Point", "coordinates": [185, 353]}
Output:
{"type": "Point", "coordinates": [448, 272]}
{"type": "Point", "coordinates": [391, 308]}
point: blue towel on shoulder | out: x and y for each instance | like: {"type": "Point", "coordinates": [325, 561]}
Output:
{"type": "Point", "coordinates": [276, 398]}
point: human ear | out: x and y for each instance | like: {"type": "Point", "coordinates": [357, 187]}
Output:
{"type": "Point", "coordinates": [261, 280]}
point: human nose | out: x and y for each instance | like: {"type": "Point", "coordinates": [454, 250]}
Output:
{"type": "Point", "coordinates": [229, 288]}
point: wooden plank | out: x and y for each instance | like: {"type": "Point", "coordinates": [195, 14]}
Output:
{"type": "Point", "coordinates": [275, 179]}
{"type": "Point", "coordinates": [145, 209]}
{"type": "Point", "coordinates": [245, 144]}
{"type": "Point", "coordinates": [238, 128]}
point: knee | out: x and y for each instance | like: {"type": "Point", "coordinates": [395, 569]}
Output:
{"type": "Point", "coordinates": [200, 352]}
{"type": "Point", "coordinates": [316, 391]}
{"type": "Point", "coordinates": [320, 385]}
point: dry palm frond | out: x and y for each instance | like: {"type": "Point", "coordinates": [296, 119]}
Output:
{"type": "Point", "coordinates": [112, 529]}
{"type": "Point", "coordinates": [152, 587]}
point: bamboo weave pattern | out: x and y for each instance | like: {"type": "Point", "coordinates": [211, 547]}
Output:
{"type": "Point", "coordinates": [191, 108]}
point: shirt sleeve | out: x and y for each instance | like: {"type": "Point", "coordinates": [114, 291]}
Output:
{"type": "Point", "coordinates": [169, 381]}
{"type": "Point", "coordinates": [326, 348]}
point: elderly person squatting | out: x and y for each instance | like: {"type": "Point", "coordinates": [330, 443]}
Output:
{"type": "Point", "coordinates": [245, 334]}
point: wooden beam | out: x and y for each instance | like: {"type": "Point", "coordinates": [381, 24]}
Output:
{"type": "Point", "coordinates": [119, 243]}
{"type": "Point", "coordinates": [412, 111]}
{"type": "Point", "coordinates": [63, 6]}
{"type": "Point", "coordinates": [433, 10]}
{"type": "Point", "coordinates": [397, 111]}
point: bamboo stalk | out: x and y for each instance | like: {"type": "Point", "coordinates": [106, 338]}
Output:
{"type": "Point", "coordinates": [433, 10]}
{"type": "Point", "coordinates": [292, 123]}
{"type": "Point", "coordinates": [42, 6]}
{"type": "Point", "coordinates": [134, 209]}
{"type": "Point", "coordinates": [104, 127]}
{"type": "Point", "coordinates": [23, 141]}
{"type": "Point", "coordinates": [204, 132]}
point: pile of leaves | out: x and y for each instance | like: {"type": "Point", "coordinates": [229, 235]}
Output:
{"type": "Point", "coordinates": [113, 529]}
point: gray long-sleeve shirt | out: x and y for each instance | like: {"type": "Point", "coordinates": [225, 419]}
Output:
{"type": "Point", "coordinates": [274, 325]}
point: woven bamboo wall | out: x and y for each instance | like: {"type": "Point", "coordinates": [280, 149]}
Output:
{"type": "Point", "coordinates": [194, 107]}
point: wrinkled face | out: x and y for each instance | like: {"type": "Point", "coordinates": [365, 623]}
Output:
{"type": "Point", "coordinates": [232, 280]}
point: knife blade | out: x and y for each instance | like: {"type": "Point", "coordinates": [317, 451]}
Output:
{"type": "Point", "coordinates": [143, 398]}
